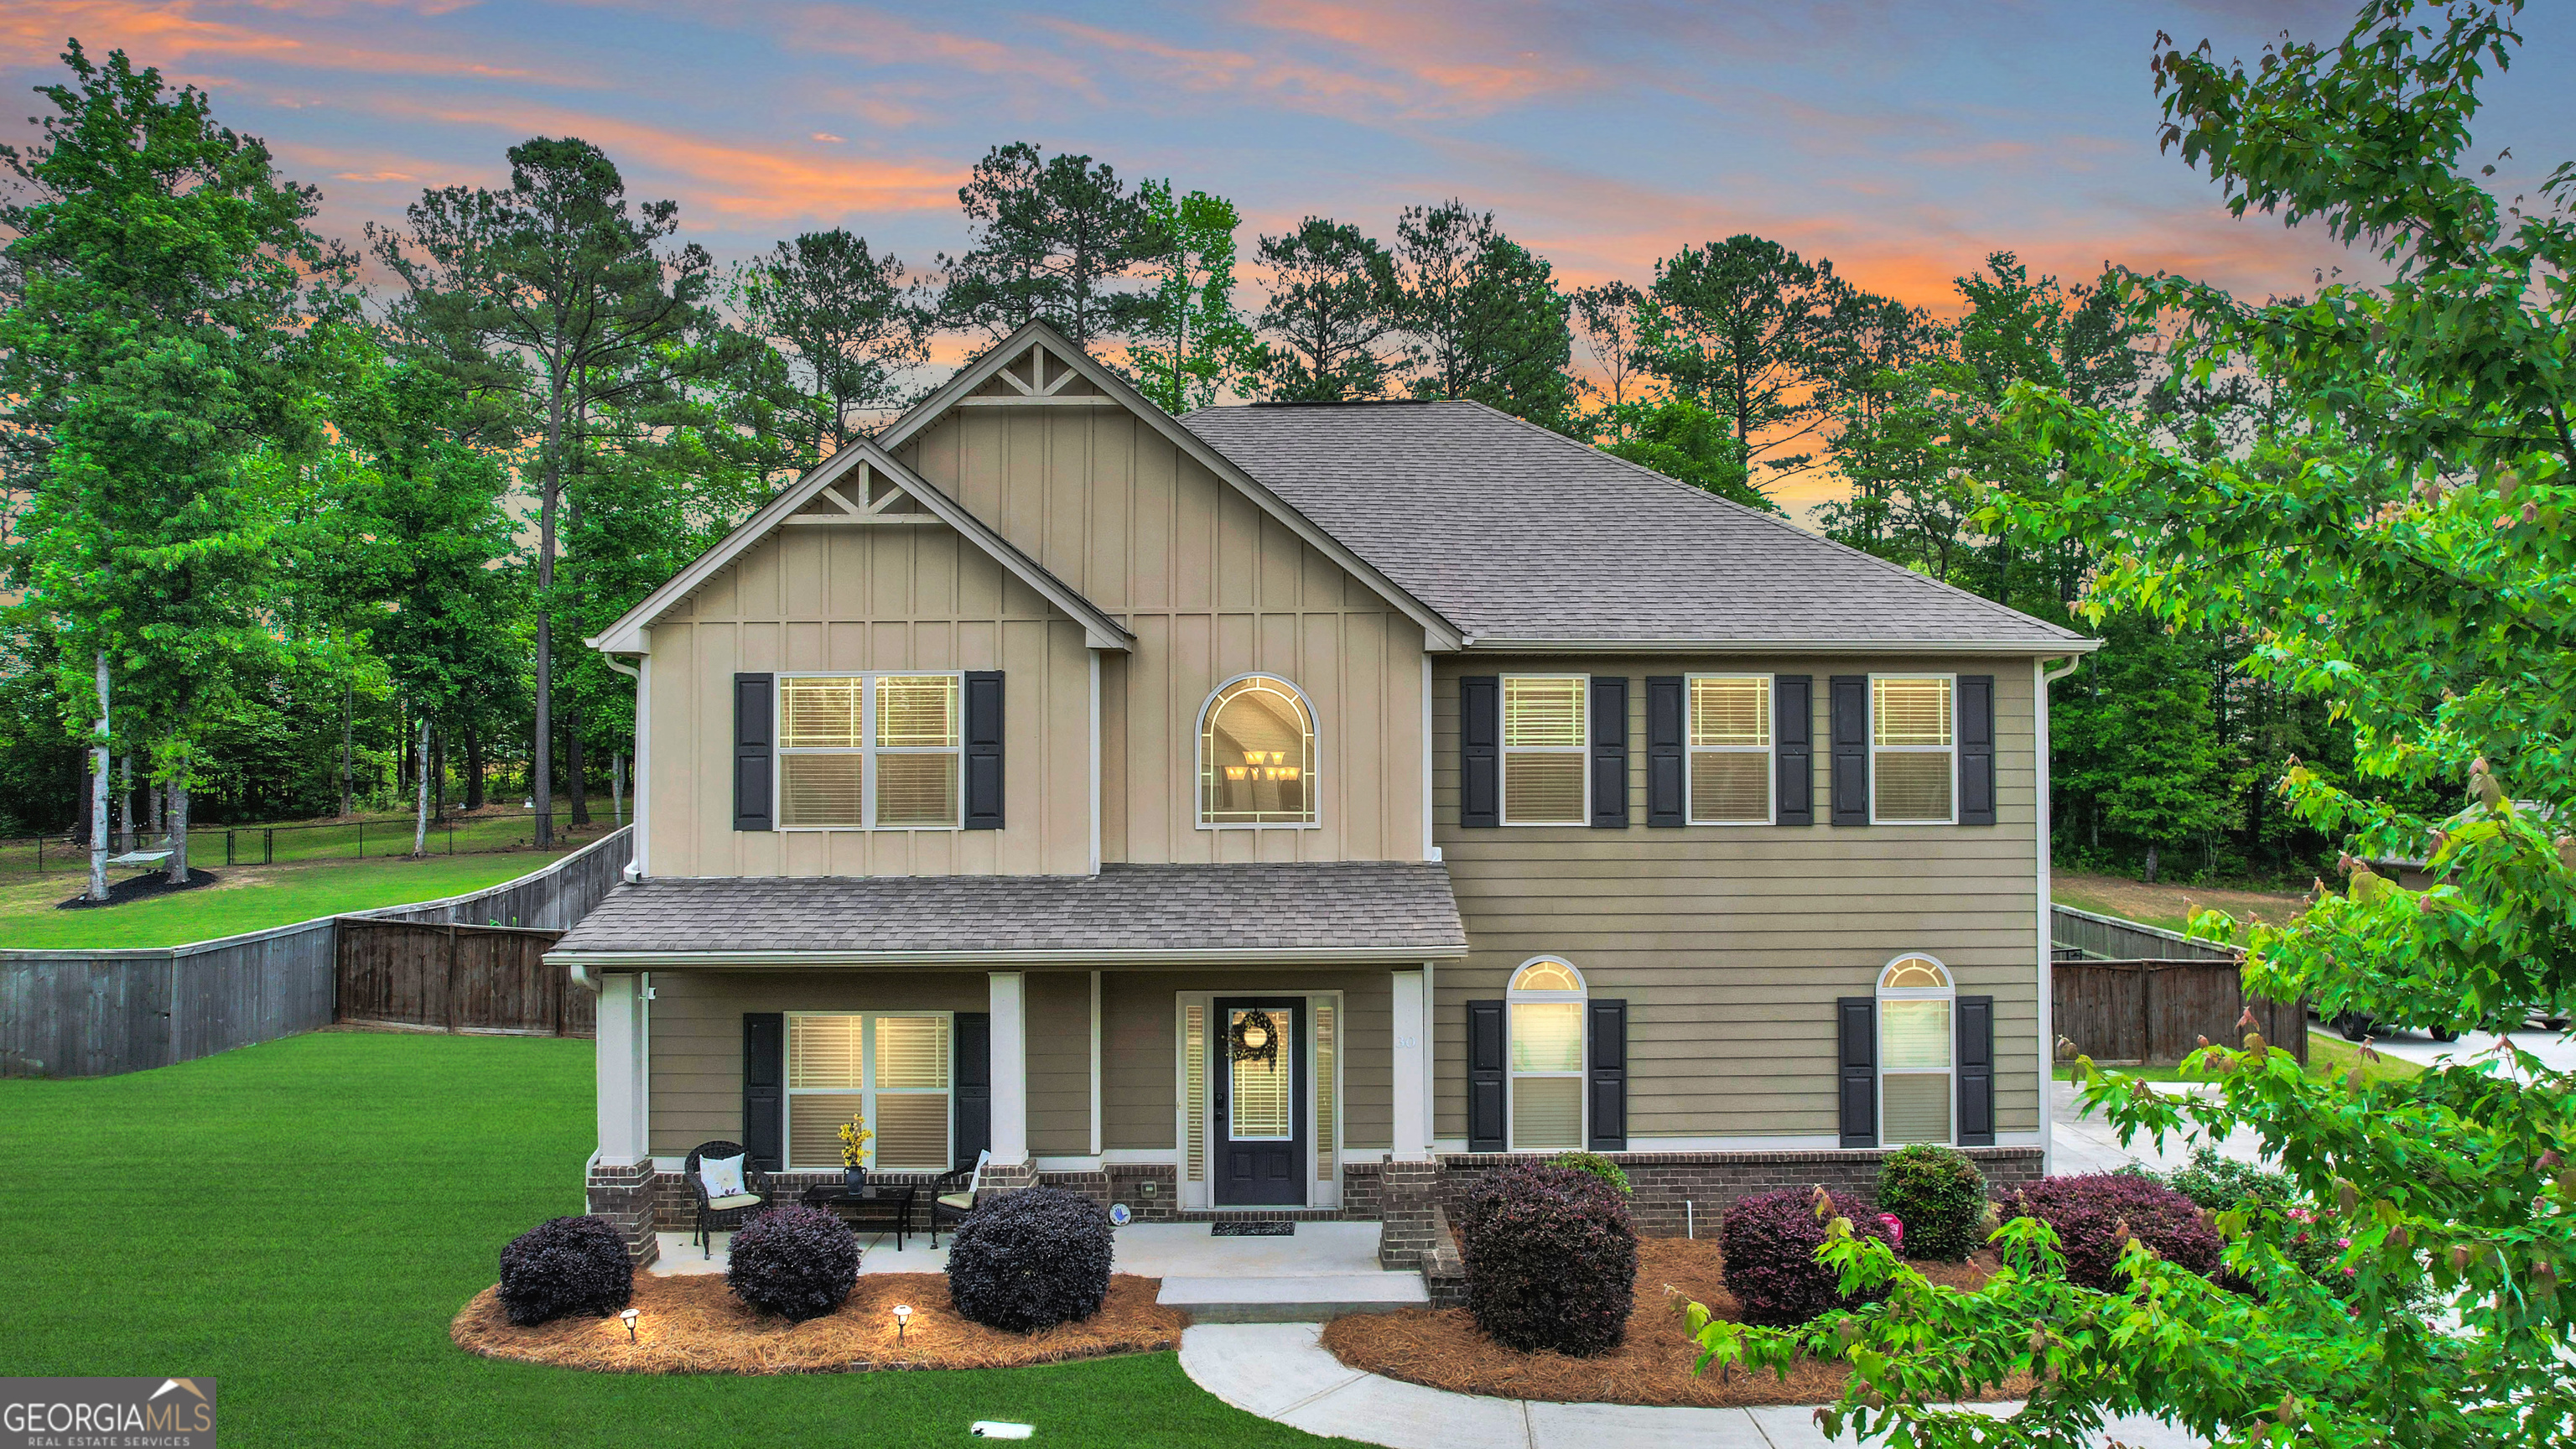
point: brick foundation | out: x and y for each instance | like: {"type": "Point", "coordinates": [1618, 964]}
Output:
{"type": "Point", "coordinates": [1670, 1192]}
{"type": "Point", "coordinates": [624, 1196]}
{"type": "Point", "coordinates": [675, 1208]}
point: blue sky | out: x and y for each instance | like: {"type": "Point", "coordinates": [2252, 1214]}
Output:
{"type": "Point", "coordinates": [1903, 140]}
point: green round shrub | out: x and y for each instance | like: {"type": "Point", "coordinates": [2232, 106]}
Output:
{"type": "Point", "coordinates": [1594, 1163]}
{"type": "Point", "coordinates": [1940, 1196]}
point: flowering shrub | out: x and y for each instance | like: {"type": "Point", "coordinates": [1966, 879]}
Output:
{"type": "Point", "coordinates": [1770, 1241]}
{"type": "Point", "coordinates": [2090, 1211]}
{"type": "Point", "coordinates": [1551, 1259]}
{"type": "Point", "coordinates": [1939, 1196]}
{"type": "Point", "coordinates": [797, 1262]}
{"type": "Point", "coordinates": [565, 1266]}
{"type": "Point", "coordinates": [1031, 1259]}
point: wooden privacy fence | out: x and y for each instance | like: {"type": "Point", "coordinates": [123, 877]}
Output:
{"type": "Point", "coordinates": [2157, 1011]}
{"type": "Point", "coordinates": [458, 978]}
{"type": "Point", "coordinates": [2109, 938]}
{"type": "Point", "coordinates": [101, 1012]}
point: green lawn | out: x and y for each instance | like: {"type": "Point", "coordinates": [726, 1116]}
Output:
{"type": "Point", "coordinates": [2328, 1055]}
{"type": "Point", "coordinates": [249, 898]}
{"type": "Point", "coordinates": [301, 1220]}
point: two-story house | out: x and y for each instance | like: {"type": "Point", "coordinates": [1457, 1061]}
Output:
{"type": "Point", "coordinates": [1212, 813]}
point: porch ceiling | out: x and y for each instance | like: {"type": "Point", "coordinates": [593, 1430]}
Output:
{"type": "Point", "coordinates": [1342, 911]}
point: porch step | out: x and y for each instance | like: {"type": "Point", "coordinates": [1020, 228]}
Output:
{"type": "Point", "coordinates": [1310, 1299]}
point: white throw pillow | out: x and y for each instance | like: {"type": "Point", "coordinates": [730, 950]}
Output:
{"type": "Point", "coordinates": [722, 1176]}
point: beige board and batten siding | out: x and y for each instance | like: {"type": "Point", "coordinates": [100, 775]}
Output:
{"type": "Point", "coordinates": [1139, 1049]}
{"type": "Point", "coordinates": [696, 1025]}
{"type": "Point", "coordinates": [1731, 942]}
{"type": "Point", "coordinates": [1212, 587]}
{"type": "Point", "coordinates": [857, 599]}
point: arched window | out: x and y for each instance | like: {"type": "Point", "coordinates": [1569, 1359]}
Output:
{"type": "Point", "coordinates": [1915, 1046]}
{"type": "Point", "coordinates": [1257, 755]}
{"type": "Point", "coordinates": [1547, 1056]}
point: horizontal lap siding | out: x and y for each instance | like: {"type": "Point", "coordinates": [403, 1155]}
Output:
{"type": "Point", "coordinates": [1058, 1007]}
{"type": "Point", "coordinates": [1730, 943]}
{"type": "Point", "coordinates": [864, 599]}
{"type": "Point", "coordinates": [1213, 588]}
{"type": "Point", "coordinates": [1140, 1056]}
{"type": "Point", "coordinates": [695, 1033]}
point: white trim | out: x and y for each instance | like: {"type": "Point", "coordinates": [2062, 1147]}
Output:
{"type": "Point", "coordinates": [1515, 997]}
{"type": "Point", "coordinates": [1097, 745]}
{"type": "Point", "coordinates": [617, 1065]}
{"type": "Point", "coordinates": [1095, 1058]}
{"type": "Point", "coordinates": [1438, 632]}
{"type": "Point", "coordinates": [1247, 956]}
{"type": "Point", "coordinates": [1410, 1023]}
{"type": "Point", "coordinates": [1504, 749]}
{"type": "Point", "coordinates": [1769, 749]}
{"type": "Point", "coordinates": [1089, 1162]}
{"type": "Point", "coordinates": [1480, 644]}
{"type": "Point", "coordinates": [1140, 1157]}
{"type": "Point", "coordinates": [1006, 998]}
{"type": "Point", "coordinates": [867, 749]}
{"type": "Point", "coordinates": [629, 634]}
{"type": "Point", "coordinates": [1876, 749]}
{"type": "Point", "coordinates": [2043, 842]}
{"type": "Point", "coordinates": [1313, 767]}
{"type": "Point", "coordinates": [1430, 850]}
{"type": "Point", "coordinates": [641, 859]}
{"type": "Point", "coordinates": [1948, 993]}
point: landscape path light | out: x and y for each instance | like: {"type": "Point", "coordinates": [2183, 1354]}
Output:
{"type": "Point", "coordinates": [628, 1318]}
{"type": "Point", "coordinates": [902, 1317]}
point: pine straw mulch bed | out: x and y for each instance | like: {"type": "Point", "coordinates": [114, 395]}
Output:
{"type": "Point", "coordinates": [694, 1324]}
{"type": "Point", "coordinates": [1443, 1349]}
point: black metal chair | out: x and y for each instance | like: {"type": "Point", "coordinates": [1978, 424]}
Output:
{"type": "Point", "coordinates": [724, 1214]}
{"type": "Point", "coordinates": [952, 1193]}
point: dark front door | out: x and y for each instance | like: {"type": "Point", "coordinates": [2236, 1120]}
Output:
{"type": "Point", "coordinates": [1260, 1101]}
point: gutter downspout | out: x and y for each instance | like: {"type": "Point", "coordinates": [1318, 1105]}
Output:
{"type": "Point", "coordinates": [2047, 1003]}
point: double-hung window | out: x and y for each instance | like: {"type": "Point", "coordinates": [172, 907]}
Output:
{"type": "Point", "coordinates": [868, 751]}
{"type": "Point", "coordinates": [1545, 777]}
{"type": "Point", "coordinates": [1546, 1003]}
{"type": "Point", "coordinates": [1913, 750]}
{"type": "Point", "coordinates": [1730, 749]}
{"type": "Point", "coordinates": [890, 1070]}
{"type": "Point", "coordinates": [1915, 997]}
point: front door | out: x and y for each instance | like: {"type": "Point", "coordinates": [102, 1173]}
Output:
{"type": "Point", "coordinates": [1259, 1106]}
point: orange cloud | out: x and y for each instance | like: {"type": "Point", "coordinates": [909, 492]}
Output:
{"type": "Point", "coordinates": [1435, 44]}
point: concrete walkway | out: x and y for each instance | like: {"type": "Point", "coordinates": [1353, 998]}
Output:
{"type": "Point", "coordinates": [1280, 1371]}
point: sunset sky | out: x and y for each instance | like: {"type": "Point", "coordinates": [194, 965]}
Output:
{"type": "Point", "coordinates": [1903, 140]}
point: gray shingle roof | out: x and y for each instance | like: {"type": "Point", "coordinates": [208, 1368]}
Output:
{"type": "Point", "coordinates": [1390, 906]}
{"type": "Point", "coordinates": [1515, 533]}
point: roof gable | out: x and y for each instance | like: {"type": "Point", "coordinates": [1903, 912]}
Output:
{"type": "Point", "coordinates": [995, 379]}
{"type": "Point", "coordinates": [841, 491]}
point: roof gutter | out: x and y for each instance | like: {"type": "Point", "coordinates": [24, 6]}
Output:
{"type": "Point", "coordinates": [1481, 644]}
{"type": "Point", "coordinates": [1247, 956]}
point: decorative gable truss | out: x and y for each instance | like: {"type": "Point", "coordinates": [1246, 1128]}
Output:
{"type": "Point", "coordinates": [860, 486]}
{"type": "Point", "coordinates": [1037, 378]}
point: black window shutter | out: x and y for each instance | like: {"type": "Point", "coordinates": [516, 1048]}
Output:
{"type": "Point", "coordinates": [1609, 712]}
{"type": "Point", "coordinates": [1480, 750]}
{"type": "Point", "coordinates": [755, 743]}
{"type": "Point", "coordinates": [1793, 733]}
{"type": "Point", "coordinates": [764, 1083]}
{"type": "Point", "coordinates": [1608, 1076]}
{"type": "Point", "coordinates": [1976, 749]}
{"type": "Point", "coordinates": [1851, 749]}
{"type": "Point", "coordinates": [1857, 1017]}
{"type": "Point", "coordinates": [1485, 1048]}
{"type": "Point", "coordinates": [983, 749]}
{"type": "Point", "coordinates": [1667, 761]}
{"type": "Point", "coordinates": [1976, 1071]}
{"type": "Point", "coordinates": [971, 1096]}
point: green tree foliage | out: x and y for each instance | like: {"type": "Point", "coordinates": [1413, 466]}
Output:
{"type": "Point", "coordinates": [1331, 324]}
{"type": "Point", "coordinates": [2134, 740]}
{"type": "Point", "coordinates": [2397, 538]}
{"type": "Point", "coordinates": [1759, 335]}
{"type": "Point", "coordinates": [557, 282]}
{"type": "Point", "coordinates": [1486, 319]}
{"type": "Point", "coordinates": [1188, 339]}
{"type": "Point", "coordinates": [168, 292]}
{"type": "Point", "coordinates": [846, 327]}
{"type": "Point", "coordinates": [1680, 439]}
{"type": "Point", "coordinates": [1606, 317]}
{"type": "Point", "coordinates": [1053, 236]}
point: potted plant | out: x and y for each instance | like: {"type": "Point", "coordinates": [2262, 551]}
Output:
{"type": "Point", "coordinates": [854, 1153]}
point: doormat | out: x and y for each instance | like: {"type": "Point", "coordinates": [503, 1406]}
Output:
{"type": "Point", "coordinates": [1252, 1230]}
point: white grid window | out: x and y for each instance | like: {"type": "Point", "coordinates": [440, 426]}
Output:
{"type": "Point", "coordinates": [889, 1070]}
{"type": "Point", "coordinates": [1913, 760]}
{"type": "Point", "coordinates": [1915, 999]}
{"type": "Point", "coordinates": [1546, 1002]}
{"type": "Point", "coordinates": [1730, 749]}
{"type": "Point", "coordinates": [1257, 755]}
{"type": "Point", "coordinates": [1546, 779]}
{"type": "Point", "coordinates": [869, 751]}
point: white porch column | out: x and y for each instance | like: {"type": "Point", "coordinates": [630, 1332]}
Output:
{"type": "Point", "coordinates": [621, 1068]}
{"type": "Point", "coordinates": [1010, 1067]}
{"type": "Point", "coordinates": [1412, 1068]}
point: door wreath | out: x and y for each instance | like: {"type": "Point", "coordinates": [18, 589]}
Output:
{"type": "Point", "coordinates": [1254, 1037]}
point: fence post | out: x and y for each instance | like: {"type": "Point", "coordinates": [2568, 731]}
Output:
{"type": "Point", "coordinates": [362, 840]}
{"type": "Point", "coordinates": [268, 845]}
{"type": "Point", "coordinates": [451, 979]}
